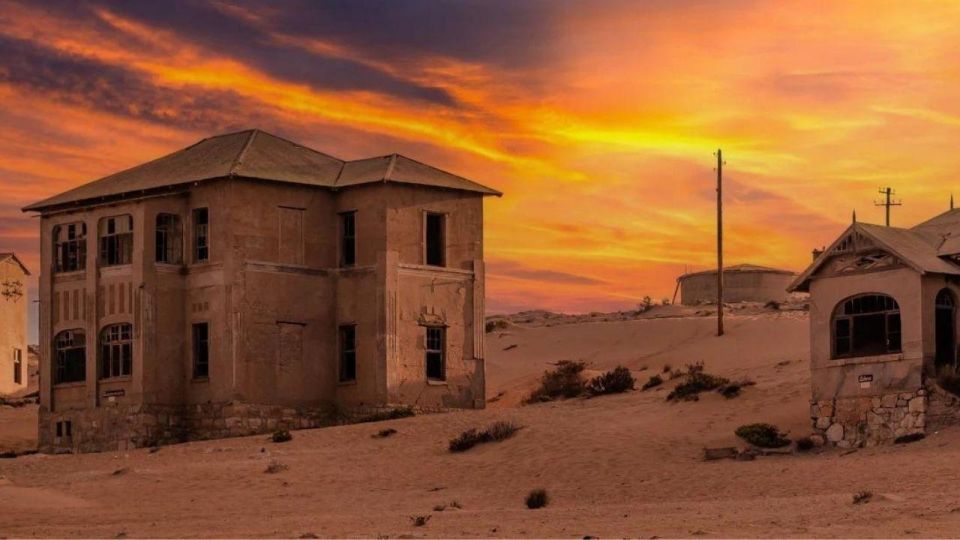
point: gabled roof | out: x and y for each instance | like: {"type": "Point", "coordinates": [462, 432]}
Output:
{"type": "Point", "coordinates": [14, 258]}
{"type": "Point", "coordinates": [258, 154]}
{"type": "Point", "coordinates": [918, 247]}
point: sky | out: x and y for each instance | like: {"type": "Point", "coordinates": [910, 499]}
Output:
{"type": "Point", "coordinates": [598, 120]}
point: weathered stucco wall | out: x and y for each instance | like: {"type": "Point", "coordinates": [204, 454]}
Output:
{"type": "Point", "coordinates": [13, 326]}
{"type": "Point", "coordinates": [738, 286]}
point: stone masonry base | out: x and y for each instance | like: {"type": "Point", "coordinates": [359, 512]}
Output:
{"type": "Point", "coordinates": [124, 427]}
{"type": "Point", "coordinates": [870, 421]}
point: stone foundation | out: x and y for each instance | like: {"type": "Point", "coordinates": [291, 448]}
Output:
{"type": "Point", "coordinates": [870, 421]}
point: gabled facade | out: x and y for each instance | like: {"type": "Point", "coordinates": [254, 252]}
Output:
{"type": "Point", "coordinates": [248, 283]}
{"type": "Point", "coordinates": [14, 376]}
{"type": "Point", "coordinates": [883, 324]}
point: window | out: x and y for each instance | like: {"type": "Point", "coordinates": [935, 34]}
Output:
{"type": "Point", "coordinates": [116, 240]}
{"type": "Point", "coordinates": [17, 366]}
{"type": "Point", "coordinates": [169, 239]}
{"type": "Point", "coordinates": [116, 351]}
{"type": "Point", "coordinates": [435, 240]}
{"type": "Point", "coordinates": [348, 353]}
{"type": "Point", "coordinates": [70, 247]}
{"type": "Point", "coordinates": [348, 239]}
{"type": "Point", "coordinates": [201, 235]}
{"type": "Point", "coordinates": [866, 325]}
{"type": "Point", "coordinates": [70, 356]}
{"type": "Point", "coordinates": [65, 429]}
{"type": "Point", "coordinates": [436, 343]}
{"type": "Point", "coordinates": [201, 350]}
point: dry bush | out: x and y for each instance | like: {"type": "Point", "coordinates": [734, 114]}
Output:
{"type": "Point", "coordinates": [654, 381]}
{"type": "Point", "coordinates": [804, 444]}
{"type": "Point", "coordinates": [496, 324]}
{"type": "Point", "coordinates": [862, 497]}
{"type": "Point", "coordinates": [762, 435]}
{"type": "Point", "coordinates": [419, 521]}
{"type": "Point", "coordinates": [564, 381]}
{"type": "Point", "coordinates": [616, 381]}
{"type": "Point", "coordinates": [696, 382]}
{"type": "Point", "coordinates": [281, 435]}
{"type": "Point", "coordinates": [537, 499]}
{"type": "Point", "coordinates": [384, 433]}
{"type": "Point", "coordinates": [496, 432]}
{"type": "Point", "coordinates": [733, 389]}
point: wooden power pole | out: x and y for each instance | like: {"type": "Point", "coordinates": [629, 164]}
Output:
{"type": "Point", "coordinates": [719, 242]}
{"type": "Point", "coordinates": [888, 203]}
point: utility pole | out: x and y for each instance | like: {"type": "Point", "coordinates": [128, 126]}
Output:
{"type": "Point", "coordinates": [719, 243]}
{"type": "Point", "coordinates": [888, 203]}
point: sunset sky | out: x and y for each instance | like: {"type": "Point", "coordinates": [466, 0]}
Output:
{"type": "Point", "coordinates": [598, 120]}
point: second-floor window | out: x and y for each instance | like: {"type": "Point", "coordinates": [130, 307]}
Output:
{"type": "Point", "coordinates": [70, 247]}
{"type": "Point", "coordinates": [348, 238]}
{"type": "Point", "coordinates": [435, 240]}
{"type": "Point", "coordinates": [116, 240]}
{"type": "Point", "coordinates": [116, 351]}
{"type": "Point", "coordinates": [169, 239]}
{"type": "Point", "coordinates": [201, 235]}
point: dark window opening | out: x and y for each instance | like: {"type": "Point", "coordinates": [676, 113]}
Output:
{"type": "Point", "coordinates": [116, 240]}
{"type": "Point", "coordinates": [348, 239]}
{"type": "Point", "coordinates": [168, 239]}
{"type": "Point", "coordinates": [17, 366]}
{"type": "Point", "coordinates": [70, 247]}
{"type": "Point", "coordinates": [116, 351]}
{"type": "Point", "coordinates": [435, 354]}
{"type": "Point", "coordinates": [945, 329]}
{"type": "Point", "coordinates": [866, 325]}
{"type": "Point", "coordinates": [435, 240]}
{"type": "Point", "coordinates": [348, 353]}
{"type": "Point", "coordinates": [201, 350]}
{"type": "Point", "coordinates": [201, 235]}
{"type": "Point", "coordinates": [70, 356]}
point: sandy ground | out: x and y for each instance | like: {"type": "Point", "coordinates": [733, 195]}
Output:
{"type": "Point", "coordinates": [617, 466]}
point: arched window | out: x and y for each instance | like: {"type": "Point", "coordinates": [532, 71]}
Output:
{"type": "Point", "coordinates": [169, 239]}
{"type": "Point", "coordinates": [116, 351]}
{"type": "Point", "coordinates": [70, 356]}
{"type": "Point", "coordinates": [866, 325]}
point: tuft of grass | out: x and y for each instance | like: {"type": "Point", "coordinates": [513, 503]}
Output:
{"type": "Point", "coordinates": [565, 381]}
{"type": "Point", "coordinates": [616, 381]}
{"type": "Point", "coordinates": [281, 435]}
{"type": "Point", "coordinates": [537, 499]}
{"type": "Point", "coordinates": [275, 467]}
{"type": "Point", "coordinates": [762, 435]}
{"type": "Point", "coordinates": [419, 521]}
{"type": "Point", "coordinates": [384, 433]}
{"type": "Point", "coordinates": [496, 324]}
{"type": "Point", "coordinates": [392, 414]}
{"type": "Point", "coordinates": [862, 497]}
{"type": "Point", "coordinates": [654, 381]}
{"type": "Point", "coordinates": [733, 389]}
{"type": "Point", "coordinates": [696, 381]}
{"type": "Point", "coordinates": [496, 432]}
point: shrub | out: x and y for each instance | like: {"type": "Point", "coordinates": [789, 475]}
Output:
{"type": "Point", "coordinates": [537, 499]}
{"type": "Point", "coordinates": [805, 444]}
{"type": "Point", "coordinates": [612, 382]}
{"type": "Point", "coordinates": [696, 381]}
{"type": "Point", "coordinates": [563, 382]}
{"type": "Point", "coordinates": [384, 433]}
{"type": "Point", "coordinates": [496, 324]}
{"type": "Point", "coordinates": [392, 414]}
{"type": "Point", "coordinates": [773, 304]}
{"type": "Point", "coordinates": [732, 390]}
{"type": "Point", "coordinates": [419, 521]}
{"type": "Point", "coordinates": [654, 381]}
{"type": "Point", "coordinates": [496, 432]}
{"type": "Point", "coordinates": [862, 497]}
{"type": "Point", "coordinates": [281, 435]}
{"type": "Point", "coordinates": [762, 435]}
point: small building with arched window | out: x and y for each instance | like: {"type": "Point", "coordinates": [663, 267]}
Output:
{"type": "Point", "coordinates": [883, 328]}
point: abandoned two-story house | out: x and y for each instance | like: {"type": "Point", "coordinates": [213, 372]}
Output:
{"type": "Point", "coordinates": [14, 375]}
{"type": "Point", "coordinates": [247, 283]}
{"type": "Point", "coordinates": [883, 325]}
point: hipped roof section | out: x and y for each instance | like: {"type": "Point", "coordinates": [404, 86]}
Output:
{"type": "Point", "coordinates": [260, 155]}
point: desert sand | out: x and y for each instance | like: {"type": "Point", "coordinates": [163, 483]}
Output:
{"type": "Point", "coordinates": [628, 465]}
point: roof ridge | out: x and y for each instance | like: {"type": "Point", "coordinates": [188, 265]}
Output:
{"type": "Point", "coordinates": [238, 161]}
{"type": "Point", "coordinates": [438, 169]}
{"type": "Point", "coordinates": [393, 163]}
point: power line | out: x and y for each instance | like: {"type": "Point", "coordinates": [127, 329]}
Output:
{"type": "Point", "coordinates": [888, 202]}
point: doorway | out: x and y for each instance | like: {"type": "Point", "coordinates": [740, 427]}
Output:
{"type": "Point", "coordinates": [945, 330]}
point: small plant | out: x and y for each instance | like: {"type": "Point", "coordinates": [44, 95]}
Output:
{"type": "Point", "coordinates": [391, 414]}
{"type": "Point", "coordinates": [275, 467]}
{"type": "Point", "coordinates": [617, 381]}
{"type": "Point", "coordinates": [666, 368]}
{"type": "Point", "coordinates": [496, 432]}
{"type": "Point", "coordinates": [647, 303]}
{"type": "Point", "coordinates": [654, 381]}
{"type": "Point", "coordinates": [665, 302]}
{"type": "Point", "coordinates": [564, 381]}
{"type": "Point", "coordinates": [537, 499]}
{"type": "Point", "coordinates": [862, 497]}
{"type": "Point", "coordinates": [804, 444]}
{"type": "Point", "coordinates": [697, 381]}
{"type": "Point", "coordinates": [496, 324]}
{"type": "Point", "coordinates": [419, 521]}
{"type": "Point", "coordinates": [773, 304]}
{"type": "Point", "coordinates": [384, 433]}
{"type": "Point", "coordinates": [762, 435]}
{"type": "Point", "coordinates": [733, 389]}
{"type": "Point", "coordinates": [281, 435]}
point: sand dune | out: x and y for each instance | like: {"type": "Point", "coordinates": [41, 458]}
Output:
{"type": "Point", "coordinates": [614, 466]}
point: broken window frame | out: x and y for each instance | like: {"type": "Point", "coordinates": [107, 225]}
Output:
{"type": "Point", "coordinates": [435, 239]}
{"type": "Point", "coordinates": [201, 234]}
{"type": "Point", "coordinates": [70, 357]}
{"type": "Point", "coordinates": [70, 252]}
{"type": "Point", "coordinates": [17, 366]}
{"type": "Point", "coordinates": [116, 240]}
{"type": "Point", "coordinates": [866, 309]}
{"type": "Point", "coordinates": [169, 239]}
{"type": "Point", "coordinates": [200, 341]}
{"type": "Point", "coordinates": [347, 371]}
{"type": "Point", "coordinates": [435, 353]}
{"type": "Point", "coordinates": [348, 238]}
{"type": "Point", "coordinates": [116, 351]}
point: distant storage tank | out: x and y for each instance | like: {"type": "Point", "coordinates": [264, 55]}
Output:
{"type": "Point", "coordinates": [741, 283]}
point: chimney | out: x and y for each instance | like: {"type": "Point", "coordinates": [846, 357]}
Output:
{"type": "Point", "coordinates": [817, 253]}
